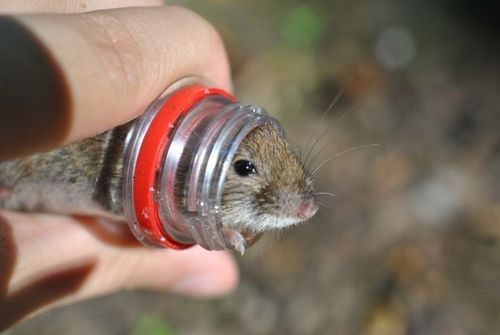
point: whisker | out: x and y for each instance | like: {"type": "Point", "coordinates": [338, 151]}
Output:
{"type": "Point", "coordinates": [323, 205]}
{"type": "Point", "coordinates": [326, 193]}
{"type": "Point", "coordinates": [310, 150]}
{"type": "Point", "coordinates": [325, 113]}
{"type": "Point", "coordinates": [342, 153]}
{"type": "Point", "coordinates": [335, 100]}
{"type": "Point", "coordinates": [318, 139]}
{"type": "Point", "coordinates": [316, 155]}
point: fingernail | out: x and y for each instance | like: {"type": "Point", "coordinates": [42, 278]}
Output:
{"type": "Point", "coordinates": [199, 285]}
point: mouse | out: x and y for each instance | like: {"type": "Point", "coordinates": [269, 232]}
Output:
{"type": "Point", "coordinates": [267, 187]}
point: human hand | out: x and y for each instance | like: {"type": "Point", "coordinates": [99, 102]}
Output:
{"type": "Point", "coordinates": [64, 77]}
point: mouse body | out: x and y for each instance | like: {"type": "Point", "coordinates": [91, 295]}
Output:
{"type": "Point", "coordinates": [266, 187]}
{"type": "Point", "coordinates": [83, 178]}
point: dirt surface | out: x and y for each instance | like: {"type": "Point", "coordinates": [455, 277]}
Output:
{"type": "Point", "coordinates": [411, 243]}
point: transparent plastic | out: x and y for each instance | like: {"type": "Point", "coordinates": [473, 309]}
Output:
{"type": "Point", "coordinates": [189, 182]}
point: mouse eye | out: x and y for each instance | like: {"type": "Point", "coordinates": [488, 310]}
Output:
{"type": "Point", "coordinates": [245, 168]}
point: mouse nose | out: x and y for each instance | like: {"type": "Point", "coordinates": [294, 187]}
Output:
{"type": "Point", "coordinates": [307, 209]}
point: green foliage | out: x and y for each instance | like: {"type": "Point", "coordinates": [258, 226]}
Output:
{"type": "Point", "coordinates": [302, 26]}
{"type": "Point", "coordinates": [151, 325]}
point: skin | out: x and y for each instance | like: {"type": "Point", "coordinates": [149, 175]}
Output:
{"type": "Point", "coordinates": [129, 57]}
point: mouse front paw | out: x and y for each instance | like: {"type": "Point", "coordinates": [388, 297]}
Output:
{"type": "Point", "coordinates": [236, 239]}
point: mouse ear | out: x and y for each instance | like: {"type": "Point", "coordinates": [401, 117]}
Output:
{"type": "Point", "coordinates": [269, 120]}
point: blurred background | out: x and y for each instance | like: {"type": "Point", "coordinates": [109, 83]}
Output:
{"type": "Point", "coordinates": [411, 242]}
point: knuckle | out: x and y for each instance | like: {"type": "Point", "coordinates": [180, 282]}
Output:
{"type": "Point", "coordinates": [198, 27]}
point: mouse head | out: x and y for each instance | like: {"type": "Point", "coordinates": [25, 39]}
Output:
{"type": "Point", "coordinates": [267, 186]}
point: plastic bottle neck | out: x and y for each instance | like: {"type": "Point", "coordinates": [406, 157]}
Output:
{"type": "Point", "coordinates": [177, 158]}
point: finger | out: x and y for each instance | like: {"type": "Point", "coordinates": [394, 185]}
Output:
{"type": "Point", "coordinates": [70, 6]}
{"type": "Point", "coordinates": [103, 69]}
{"type": "Point", "coordinates": [50, 260]}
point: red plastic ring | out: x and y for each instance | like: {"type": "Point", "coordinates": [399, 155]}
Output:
{"type": "Point", "coordinates": [149, 160]}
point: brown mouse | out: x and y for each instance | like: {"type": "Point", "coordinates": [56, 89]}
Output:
{"type": "Point", "coordinates": [266, 188]}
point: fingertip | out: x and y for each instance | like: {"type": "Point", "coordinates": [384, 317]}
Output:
{"type": "Point", "coordinates": [194, 272]}
{"type": "Point", "coordinates": [212, 274]}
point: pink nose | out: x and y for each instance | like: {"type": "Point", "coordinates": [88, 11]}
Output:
{"type": "Point", "coordinates": [307, 209]}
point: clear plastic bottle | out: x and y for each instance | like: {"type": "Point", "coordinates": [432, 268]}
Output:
{"type": "Point", "coordinates": [163, 172]}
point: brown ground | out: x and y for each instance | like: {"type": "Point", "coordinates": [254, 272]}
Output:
{"type": "Point", "coordinates": [411, 245]}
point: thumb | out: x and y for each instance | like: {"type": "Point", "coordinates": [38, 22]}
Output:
{"type": "Point", "coordinates": [49, 260]}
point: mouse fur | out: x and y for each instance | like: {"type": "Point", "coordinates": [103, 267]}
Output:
{"type": "Point", "coordinates": [269, 199]}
